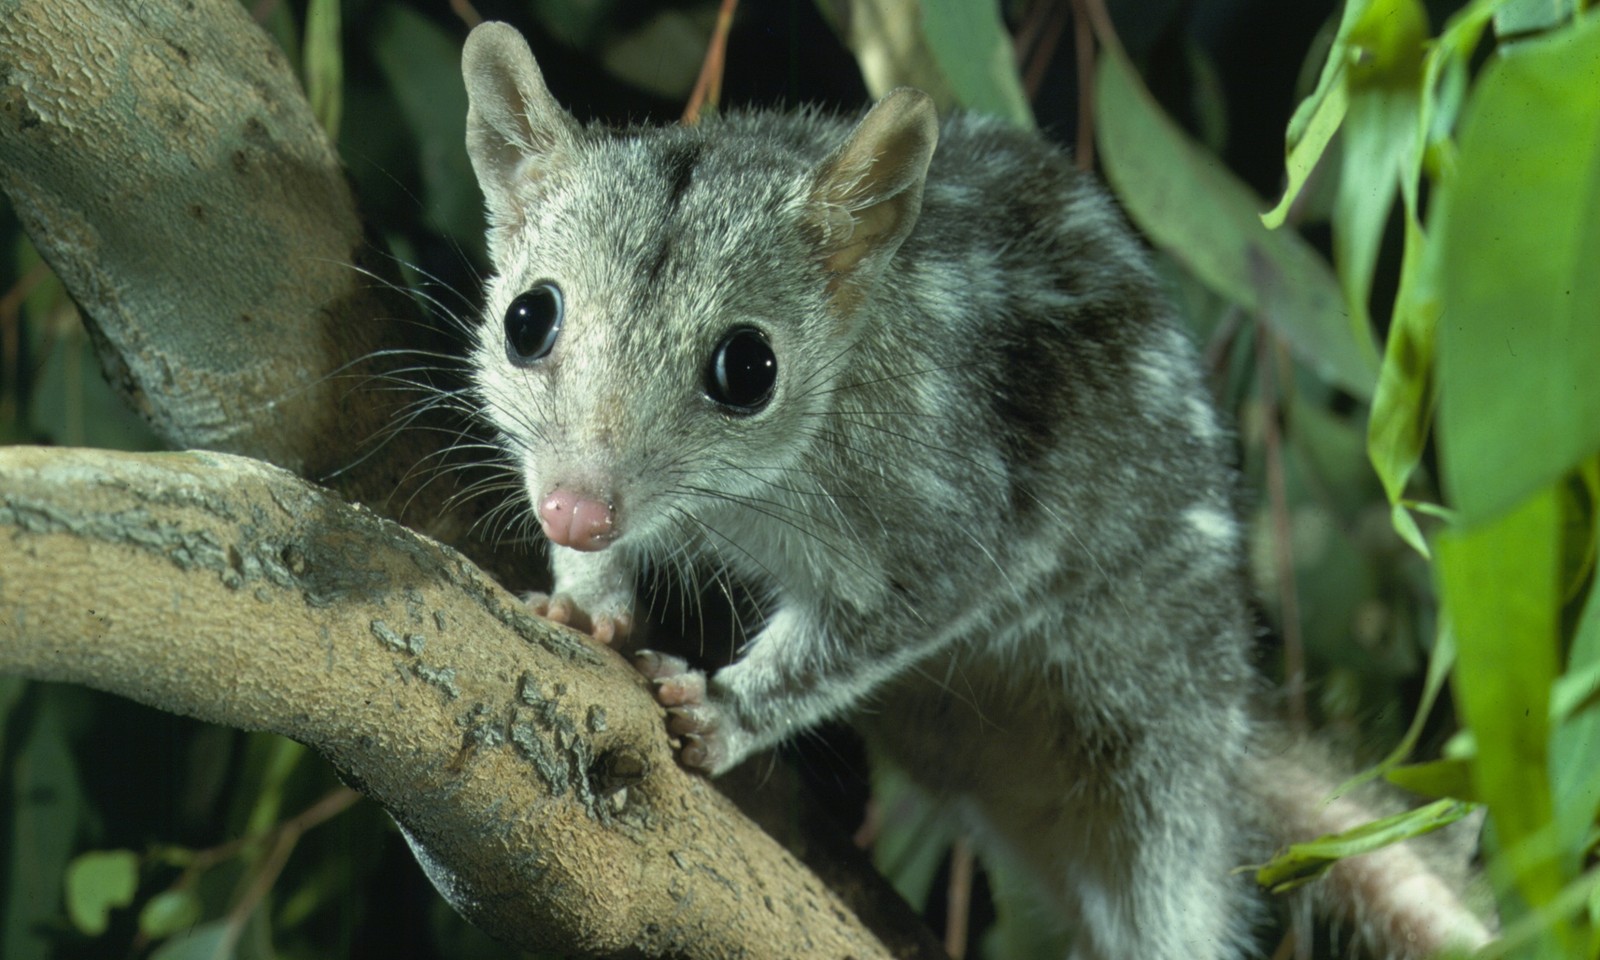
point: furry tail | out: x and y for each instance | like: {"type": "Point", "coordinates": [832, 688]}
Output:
{"type": "Point", "coordinates": [1406, 901]}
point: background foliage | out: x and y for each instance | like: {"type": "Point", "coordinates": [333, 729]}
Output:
{"type": "Point", "coordinates": [1408, 344]}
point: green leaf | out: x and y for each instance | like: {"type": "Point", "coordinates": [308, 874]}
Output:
{"type": "Point", "coordinates": [98, 881]}
{"type": "Point", "coordinates": [975, 54]}
{"type": "Point", "coordinates": [575, 23]}
{"type": "Point", "coordinates": [169, 912]}
{"type": "Point", "coordinates": [1304, 862]}
{"type": "Point", "coordinates": [1517, 17]}
{"type": "Point", "coordinates": [1316, 119]}
{"type": "Point", "coordinates": [1020, 928]}
{"type": "Point", "coordinates": [211, 941]}
{"type": "Point", "coordinates": [1522, 937]}
{"type": "Point", "coordinates": [1190, 206]}
{"type": "Point", "coordinates": [1500, 585]}
{"type": "Point", "coordinates": [1436, 778]}
{"type": "Point", "coordinates": [422, 65]}
{"type": "Point", "coordinates": [1515, 233]}
{"type": "Point", "coordinates": [324, 65]}
{"type": "Point", "coordinates": [1380, 130]}
{"type": "Point", "coordinates": [913, 838]}
{"type": "Point", "coordinates": [270, 762]}
{"type": "Point", "coordinates": [1327, 113]}
{"type": "Point", "coordinates": [1405, 401]}
{"type": "Point", "coordinates": [1575, 742]}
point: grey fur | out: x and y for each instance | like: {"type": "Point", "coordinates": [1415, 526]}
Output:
{"type": "Point", "coordinates": [988, 505]}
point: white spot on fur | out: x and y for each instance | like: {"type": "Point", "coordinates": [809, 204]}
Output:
{"type": "Point", "coordinates": [1212, 524]}
{"type": "Point", "coordinates": [1163, 375]}
{"type": "Point", "coordinates": [1202, 420]}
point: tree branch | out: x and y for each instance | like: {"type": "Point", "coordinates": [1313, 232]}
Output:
{"type": "Point", "coordinates": [163, 159]}
{"type": "Point", "coordinates": [528, 766]}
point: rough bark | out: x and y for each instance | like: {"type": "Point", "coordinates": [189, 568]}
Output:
{"type": "Point", "coordinates": [528, 765]}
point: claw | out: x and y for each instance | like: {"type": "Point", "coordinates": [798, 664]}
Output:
{"type": "Point", "coordinates": [655, 665]}
{"type": "Point", "coordinates": [683, 690]}
{"type": "Point", "coordinates": [695, 754]}
{"type": "Point", "coordinates": [688, 721]}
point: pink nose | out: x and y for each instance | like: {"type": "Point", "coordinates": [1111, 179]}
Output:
{"type": "Point", "coordinates": [574, 520]}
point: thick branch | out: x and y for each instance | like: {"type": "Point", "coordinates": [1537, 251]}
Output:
{"type": "Point", "coordinates": [164, 161]}
{"type": "Point", "coordinates": [528, 766]}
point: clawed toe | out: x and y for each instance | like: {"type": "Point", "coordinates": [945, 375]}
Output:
{"type": "Point", "coordinates": [690, 718]}
{"type": "Point", "coordinates": [609, 629]}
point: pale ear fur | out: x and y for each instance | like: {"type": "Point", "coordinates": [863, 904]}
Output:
{"type": "Point", "coordinates": [866, 196]}
{"type": "Point", "coordinates": [517, 134]}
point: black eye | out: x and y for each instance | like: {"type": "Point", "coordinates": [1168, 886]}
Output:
{"type": "Point", "coordinates": [742, 371]}
{"type": "Point", "coordinates": [532, 322]}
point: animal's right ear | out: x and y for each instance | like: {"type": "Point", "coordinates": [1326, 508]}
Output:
{"type": "Point", "coordinates": [517, 135]}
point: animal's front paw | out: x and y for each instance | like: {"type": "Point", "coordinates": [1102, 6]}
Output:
{"type": "Point", "coordinates": [611, 629]}
{"type": "Point", "coordinates": [694, 719]}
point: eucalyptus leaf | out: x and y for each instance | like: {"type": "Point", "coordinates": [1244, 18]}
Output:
{"type": "Point", "coordinates": [576, 23]}
{"type": "Point", "coordinates": [270, 761]}
{"type": "Point", "coordinates": [1197, 211]}
{"type": "Point", "coordinates": [1516, 17]}
{"type": "Point", "coordinates": [1527, 935]}
{"type": "Point", "coordinates": [1379, 132]}
{"type": "Point", "coordinates": [1317, 118]}
{"type": "Point", "coordinates": [1405, 402]}
{"type": "Point", "coordinates": [1575, 742]}
{"type": "Point", "coordinates": [324, 65]}
{"type": "Point", "coordinates": [1449, 778]}
{"type": "Point", "coordinates": [169, 912]}
{"type": "Point", "coordinates": [1304, 862]}
{"type": "Point", "coordinates": [422, 65]}
{"type": "Point", "coordinates": [974, 52]}
{"type": "Point", "coordinates": [1500, 588]}
{"type": "Point", "coordinates": [211, 941]}
{"type": "Point", "coordinates": [96, 883]}
{"type": "Point", "coordinates": [913, 838]}
{"type": "Point", "coordinates": [1520, 295]}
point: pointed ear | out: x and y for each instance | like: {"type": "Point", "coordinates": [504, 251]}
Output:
{"type": "Point", "coordinates": [517, 135]}
{"type": "Point", "coordinates": [866, 197]}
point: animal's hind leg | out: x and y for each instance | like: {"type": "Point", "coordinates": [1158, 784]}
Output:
{"type": "Point", "coordinates": [1132, 878]}
{"type": "Point", "coordinates": [1158, 890]}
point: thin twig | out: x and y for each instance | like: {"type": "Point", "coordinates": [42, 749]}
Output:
{"type": "Point", "coordinates": [1034, 17]}
{"type": "Point", "coordinates": [1044, 51]}
{"type": "Point", "coordinates": [1081, 35]}
{"type": "Point", "coordinates": [468, 14]}
{"type": "Point", "coordinates": [1100, 20]}
{"type": "Point", "coordinates": [871, 825]}
{"type": "Point", "coordinates": [284, 837]}
{"type": "Point", "coordinates": [708, 87]}
{"type": "Point", "coordinates": [958, 899]}
{"type": "Point", "coordinates": [1286, 947]}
